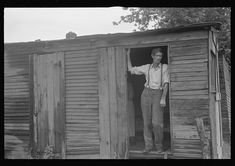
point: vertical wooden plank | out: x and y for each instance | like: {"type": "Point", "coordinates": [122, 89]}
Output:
{"type": "Point", "coordinates": [104, 120]}
{"type": "Point", "coordinates": [31, 105]}
{"type": "Point", "coordinates": [218, 101]}
{"type": "Point", "coordinates": [121, 83]}
{"type": "Point", "coordinates": [50, 93]}
{"type": "Point", "coordinates": [212, 100]}
{"type": "Point", "coordinates": [113, 103]}
{"type": "Point", "coordinates": [169, 93]}
{"type": "Point", "coordinates": [62, 106]}
{"type": "Point", "coordinates": [36, 99]}
{"type": "Point", "coordinates": [57, 103]}
{"type": "Point", "coordinates": [43, 120]}
{"type": "Point", "coordinates": [40, 101]}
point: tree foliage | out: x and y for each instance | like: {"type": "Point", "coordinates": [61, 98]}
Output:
{"type": "Point", "coordinates": [145, 18]}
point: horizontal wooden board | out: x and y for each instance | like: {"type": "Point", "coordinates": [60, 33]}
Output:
{"type": "Point", "coordinates": [82, 91]}
{"type": "Point", "coordinates": [12, 109]}
{"type": "Point", "coordinates": [189, 92]}
{"type": "Point", "coordinates": [82, 77]}
{"type": "Point", "coordinates": [195, 56]}
{"type": "Point", "coordinates": [16, 59]}
{"type": "Point", "coordinates": [20, 107]}
{"type": "Point", "coordinates": [189, 85]}
{"type": "Point", "coordinates": [194, 112]}
{"type": "Point", "coordinates": [89, 156]}
{"type": "Point", "coordinates": [83, 121]}
{"type": "Point", "coordinates": [81, 73]}
{"type": "Point", "coordinates": [190, 78]}
{"type": "Point", "coordinates": [187, 156]}
{"type": "Point", "coordinates": [83, 153]}
{"type": "Point", "coordinates": [81, 148]}
{"type": "Point", "coordinates": [188, 43]}
{"type": "Point", "coordinates": [12, 63]}
{"type": "Point", "coordinates": [188, 150]}
{"type": "Point", "coordinates": [82, 98]}
{"type": "Point", "coordinates": [82, 85]}
{"type": "Point", "coordinates": [188, 70]}
{"type": "Point", "coordinates": [79, 58]}
{"type": "Point", "coordinates": [187, 104]}
{"type": "Point", "coordinates": [16, 56]}
{"type": "Point", "coordinates": [187, 141]}
{"type": "Point", "coordinates": [81, 52]}
{"type": "Point", "coordinates": [189, 134]}
{"type": "Point", "coordinates": [82, 102]}
{"type": "Point", "coordinates": [183, 66]}
{"type": "Point", "coordinates": [80, 125]}
{"type": "Point", "coordinates": [189, 97]}
{"type": "Point", "coordinates": [7, 102]}
{"type": "Point", "coordinates": [88, 117]}
{"type": "Point", "coordinates": [72, 70]}
{"type": "Point", "coordinates": [80, 95]}
{"type": "Point", "coordinates": [183, 121]}
{"type": "Point", "coordinates": [187, 127]}
{"type": "Point", "coordinates": [81, 62]}
{"type": "Point", "coordinates": [82, 135]}
{"type": "Point", "coordinates": [6, 87]}
{"type": "Point", "coordinates": [82, 129]}
{"type": "Point", "coordinates": [189, 61]}
{"type": "Point", "coordinates": [15, 90]}
{"type": "Point", "coordinates": [76, 107]}
{"type": "Point", "coordinates": [81, 66]}
{"type": "Point", "coordinates": [190, 74]}
{"type": "Point", "coordinates": [178, 51]}
{"type": "Point", "coordinates": [7, 114]}
{"type": "Point", "coordinates": [72, 81]}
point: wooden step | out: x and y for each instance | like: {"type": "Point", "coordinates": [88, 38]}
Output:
{"type": "Point", "coordinates": [137, 154]}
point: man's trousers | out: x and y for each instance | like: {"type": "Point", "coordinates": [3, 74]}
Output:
{"type": "Point", "coordinates": [152, 117]}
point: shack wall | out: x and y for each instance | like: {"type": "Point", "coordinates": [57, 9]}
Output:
{"type": "Point", "coordinates": [188, 65]}
{"type": "Point", "coordinates": [16, 105]}
{"type": "Point", "coordinates": [82, 104]}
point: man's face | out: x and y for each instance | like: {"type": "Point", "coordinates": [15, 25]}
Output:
{"type": "Point", "coordinates": [157, 57]}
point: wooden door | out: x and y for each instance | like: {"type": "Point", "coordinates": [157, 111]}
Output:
{"type": "Point", "coordinates": [48, 93]}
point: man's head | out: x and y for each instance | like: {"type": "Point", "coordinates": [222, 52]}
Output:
{"type": "Point", "coordinates": [157, 55]}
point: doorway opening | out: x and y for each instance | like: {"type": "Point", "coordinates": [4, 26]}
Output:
{"type": "Point", "coordinates": [142, 56]}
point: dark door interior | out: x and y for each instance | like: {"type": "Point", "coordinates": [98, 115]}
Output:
{"type": "Point", "coordinates": [142, 56]}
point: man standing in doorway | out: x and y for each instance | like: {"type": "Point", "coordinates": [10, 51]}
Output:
{"type": "Point", "coordinates": [153, 98]}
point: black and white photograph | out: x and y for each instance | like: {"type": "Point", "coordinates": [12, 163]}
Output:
{"type": "Point", "coordinates": [117, 82]}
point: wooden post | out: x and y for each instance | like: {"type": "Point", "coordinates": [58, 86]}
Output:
{"type": "Point", "coordinates": [204, 140]}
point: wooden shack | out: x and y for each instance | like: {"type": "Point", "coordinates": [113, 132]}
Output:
{"type": "Point", "coordinates": [72, 94]}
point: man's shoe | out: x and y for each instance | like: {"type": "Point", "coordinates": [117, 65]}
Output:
{"type": "Point", "coordinates": [146, 150]}
{"type": "Point", "coordinates": [159, 148]}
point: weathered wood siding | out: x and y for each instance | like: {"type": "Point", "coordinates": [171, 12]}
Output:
{"type": "Point", "coordinates": [48, 115]}
{"type": "Point", "coordinates": [225, 89]}
{"type": "Point", "coordinates": [188, 62]}
{"type": "Point", "coordinates": [82, 104]}
{"type": "Point", "coordinates": [113, 103]}
{"type": "Point", "coordinates": [16, 105]}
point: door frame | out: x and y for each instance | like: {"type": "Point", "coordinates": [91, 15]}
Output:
{"type": "Point", "coordinates": [157, 44]}
{"type": "Point", "coordinates": [215, 98]}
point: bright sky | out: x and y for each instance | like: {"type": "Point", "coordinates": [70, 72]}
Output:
{"type": "Point", "coordinates": [29, 24]}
